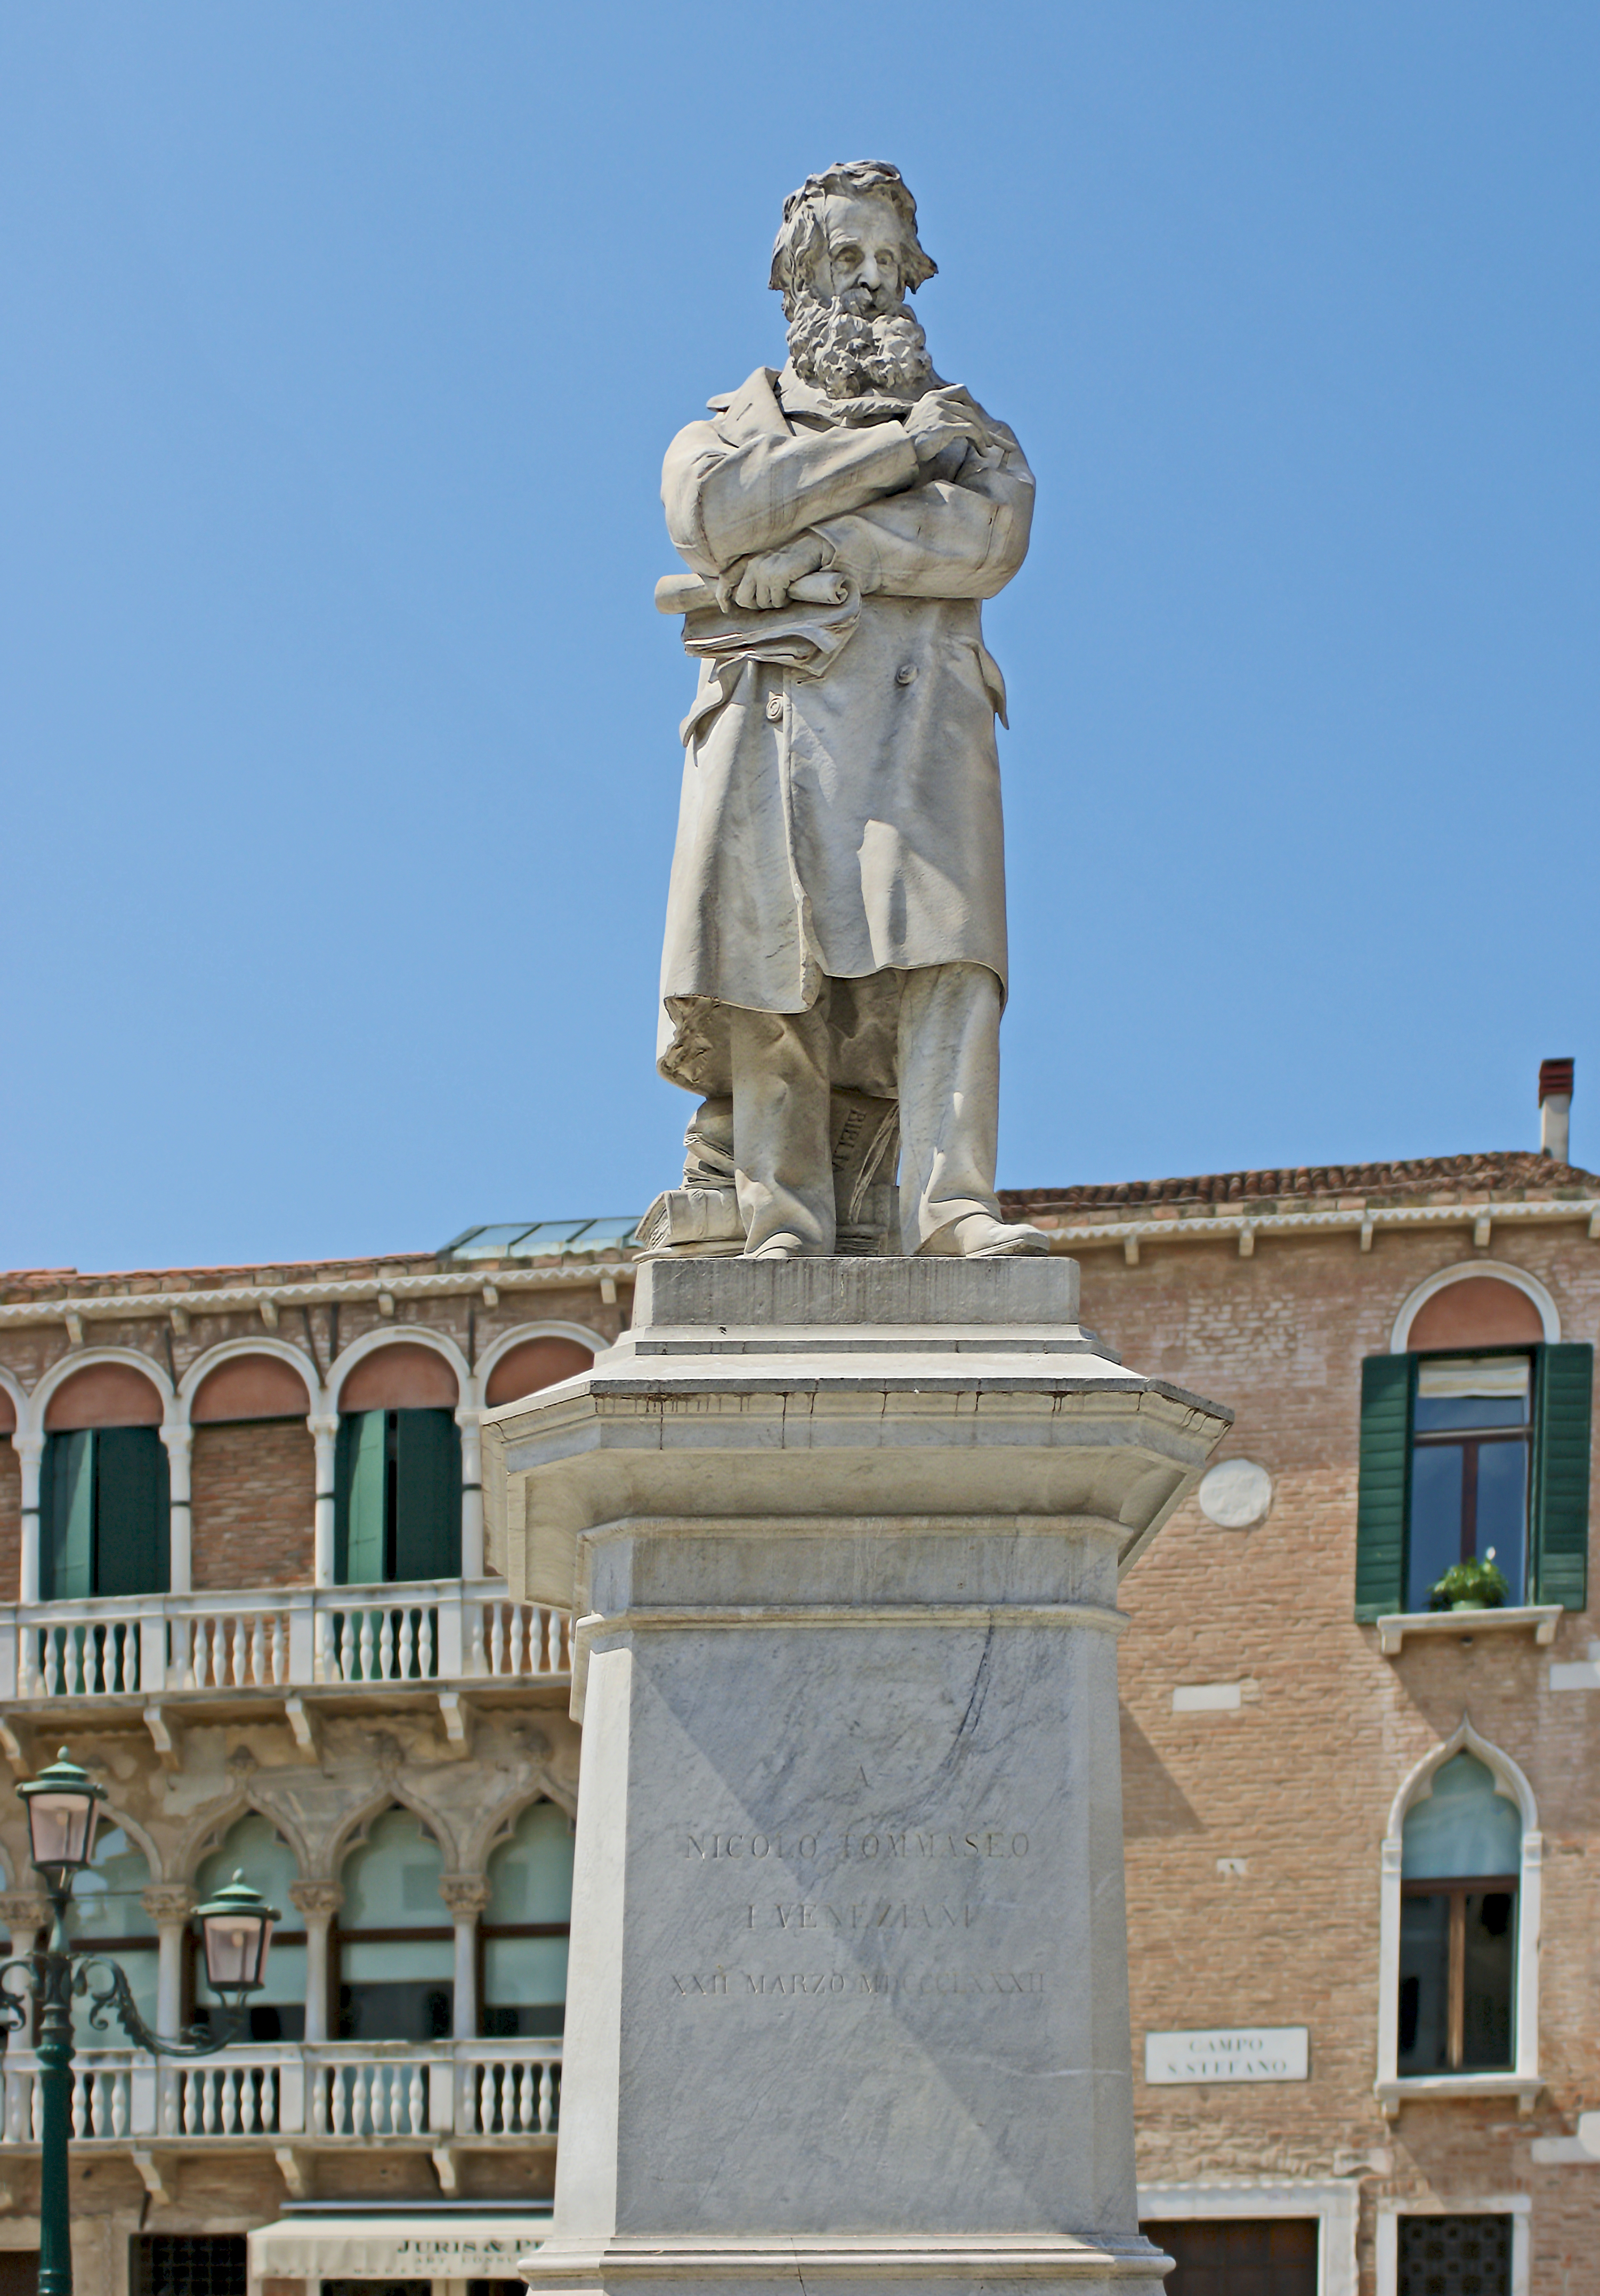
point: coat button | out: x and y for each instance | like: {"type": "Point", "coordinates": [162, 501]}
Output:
{"type": "Point", "coordinates": [774, 706]}
{"type": "Point", "coordinates": [906, 673]}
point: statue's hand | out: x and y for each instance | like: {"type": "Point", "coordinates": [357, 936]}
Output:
{"type": "Point", "coordinates": [940, 418]}
{"type": "Point", "coordinates": [763, 581]}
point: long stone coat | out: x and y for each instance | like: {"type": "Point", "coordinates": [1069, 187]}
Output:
{"type": "Point", "coordinates": [841, 812]}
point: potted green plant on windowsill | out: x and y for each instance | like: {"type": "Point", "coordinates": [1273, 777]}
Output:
{"type": "Point", "coordinates": [1479, 1585]}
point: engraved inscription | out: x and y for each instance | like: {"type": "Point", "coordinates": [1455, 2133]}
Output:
{"type": "Point", "coordinates": [836, 1984]}
{"type": "Point", "coordinates": [852, 1880]}
{"type": "Point", "coordinates": [878, 1914]}
{"type": "Point", "coordinates": [901, 1842]}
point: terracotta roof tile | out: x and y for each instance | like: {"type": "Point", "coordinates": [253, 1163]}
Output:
{"type": "Point", "coordinates": [1517, 1172]}
{"type": "Point", "coordinates": [69, 1282]}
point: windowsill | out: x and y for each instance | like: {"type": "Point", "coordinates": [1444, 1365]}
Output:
{"type": "Point", "coordinates": [1430, 2089]}
{"type": "Point", "coordinates": [1540, 1619]}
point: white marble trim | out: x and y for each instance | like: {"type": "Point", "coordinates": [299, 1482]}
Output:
{"type": "Point", "coordinates": [1518, 1278]}
{"type": "Point", "coordinates": [1336, 2204]}
{"type": "Point", "coordinates": [1517, 2206]}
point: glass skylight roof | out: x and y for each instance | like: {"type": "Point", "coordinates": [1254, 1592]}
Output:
{"type": "Point", "coordinates": [536, 1239]}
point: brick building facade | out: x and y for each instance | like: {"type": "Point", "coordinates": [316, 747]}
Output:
{"type": "Point", "coordinates": [1372, 2062]}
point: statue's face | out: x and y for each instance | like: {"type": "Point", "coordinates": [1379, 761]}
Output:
{"type": "Point", "coordinates": [864, 250]}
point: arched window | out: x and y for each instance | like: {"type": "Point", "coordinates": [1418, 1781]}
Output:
{"type": "Point", "coordinates": [11, 1501]}
{"type": "Point", "coordinates": [106, 1913]}
{"type": "Point", "coordinates": [394, 1947]}
{"type": "Point", "coordinates": [104, 1496]}
{"type": "Point", "coordinates": [397, 1471]}
{"type": "Point", "coordinates": [1460, 1868]}
{"type": "Point", "coordinates": [255, 1847]}
{"type": "Point", "coordinates": [1475, 1434]}
{"type": "Point", "coordinates": [526, 1924]}
{"type": "Point", "coordinates": [533, 1364]}
{"type": "Point", "coordinates": [249, 1416]}
{"type": "Point", "coordinates": [1458, 2005]}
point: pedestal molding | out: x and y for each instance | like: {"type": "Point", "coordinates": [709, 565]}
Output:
{"type": "Point", "coordinates": [982, 2260]}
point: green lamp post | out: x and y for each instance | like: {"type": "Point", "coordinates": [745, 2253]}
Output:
{"type": "Point", "coordinates": [63, 1809]}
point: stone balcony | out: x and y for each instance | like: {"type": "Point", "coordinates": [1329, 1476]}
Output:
{"type": "Point", "coordinates": [118, 1658]}
{"type": "Point", "coordinates": [437, 2099]}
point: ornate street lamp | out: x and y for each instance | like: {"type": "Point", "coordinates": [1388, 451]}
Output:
{"type": "Point", "coordinates": [64, 1808]}
{"type": "Point", "coordinates": [237, 1926]}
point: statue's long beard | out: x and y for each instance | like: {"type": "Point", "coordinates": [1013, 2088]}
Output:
{"type": "Point", "coordinates": [835, 345]}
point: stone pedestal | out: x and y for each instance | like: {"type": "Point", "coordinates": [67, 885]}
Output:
{"type": "Point", "coordinates": [848, 1998]}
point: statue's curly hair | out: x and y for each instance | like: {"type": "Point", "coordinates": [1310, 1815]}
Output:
{"type": "Point", "coordinates": [799, 238]}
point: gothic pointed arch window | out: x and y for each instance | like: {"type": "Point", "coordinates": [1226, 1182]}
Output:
{"type": "Point", "coordinates": [107, 1915]}
{"type": "Point", "coordinates": [394, 1948]}
{"type": "Point", "coordinates": [525, 1925]}
{"type": "Point", "coordinates": [1460, 1867]}
{"type": "Point", "coordinates": [253, 1846]}
{"type": "Point", "coordinates": [1462, 1862]}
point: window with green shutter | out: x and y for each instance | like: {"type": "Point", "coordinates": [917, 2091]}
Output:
{"type": "Point", "coordinates": [105, 1521]}
{"type": "Point", "coordinates": [1386, 1383]}
{"type": "Point", "coordinates": [396, 1497]}
{"type": "Point", "coordinates": [1563, 1384]}
{"type": "Point", "coordinates": [1483, 1455]}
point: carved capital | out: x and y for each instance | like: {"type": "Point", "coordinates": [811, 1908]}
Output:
{"type": "Point", "coordinates": [22, 1912]}
{"type": "Point", "coordinates": [168, 1902]}
{"type": "Point", "coordinates": [463, 1893]}
{"type": "Point", "coordinates": [319, 1901]}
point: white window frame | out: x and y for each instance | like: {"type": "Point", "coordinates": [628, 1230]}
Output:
{"type": "Point", "coordinates": [1335, 2203]}
{"type": "Point", "coordinates": [1523, 2081]}
{"type": "Point", "coordinates": [1517, 2206]}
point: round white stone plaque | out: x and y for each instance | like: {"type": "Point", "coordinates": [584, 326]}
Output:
{"type": "Point", "coordinates": [1236, 1493]}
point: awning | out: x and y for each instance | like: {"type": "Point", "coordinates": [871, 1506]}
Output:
{"type": "Point", "coordinates": [395, 2248]}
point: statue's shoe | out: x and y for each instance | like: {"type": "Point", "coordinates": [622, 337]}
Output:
{"type": "Point", "coordinates": [979, 1236]}
{"type": "Point", "coordinates": [785, 1245]}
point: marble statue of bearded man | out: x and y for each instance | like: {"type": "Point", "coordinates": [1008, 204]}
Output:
{"type": "Point", "coordinates": [834, 962]}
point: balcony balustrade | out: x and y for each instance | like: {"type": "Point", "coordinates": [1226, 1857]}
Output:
{"type": "Point", "coordinates": [355, 2094]}
{"type": "Point", "coordinates": [151, 1645]}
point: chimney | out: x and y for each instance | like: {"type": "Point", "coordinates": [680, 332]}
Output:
{"type": "Point", "coordinates": [1554, 1108]}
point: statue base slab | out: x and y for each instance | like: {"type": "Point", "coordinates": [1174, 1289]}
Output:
{"type": "Point", "coordinates": [849, 2265]}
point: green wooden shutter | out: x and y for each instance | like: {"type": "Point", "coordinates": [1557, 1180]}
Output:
{"type": "Point", "coordinates": [67, 1519]}
{"type": "Point", "coordinates": [360, 1498]}
{"type": "Point", "coordinates": [1563, 1384]}
{"type": "Point", "coordinates": [427, 1495]}
{"type": "Point", "coordinates": [132, 1512]}
{"type": "Point", "coordinates": [1386, 1389]}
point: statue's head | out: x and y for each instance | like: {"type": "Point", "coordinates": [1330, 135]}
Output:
{"type": "Point", "coordinates": [844, 262]}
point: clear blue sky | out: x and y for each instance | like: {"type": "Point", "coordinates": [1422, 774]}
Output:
{"type": "Point", "coordinates": [342, 344]}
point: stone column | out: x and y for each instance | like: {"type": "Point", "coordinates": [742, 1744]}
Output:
{"type": "Point", "coordinates": [466, 1895]}
{"type": "Point", "coordinates": [170, 1905]}
{"type": "Point", "coordinates": [180, 1443]}
{"type": "Point", "coordinates": [849, 1986]}
{"type": "Point", "coordinates": [471, 1493]}
{"type": "Point", "coordinates": [324, 1431]}
{"type": "Point", "coordinates": [23, 1914]}
{"type": "Point", "coordinates": [319, 1901]}
{"type": "Point", "coordinates": [30, 1450]}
